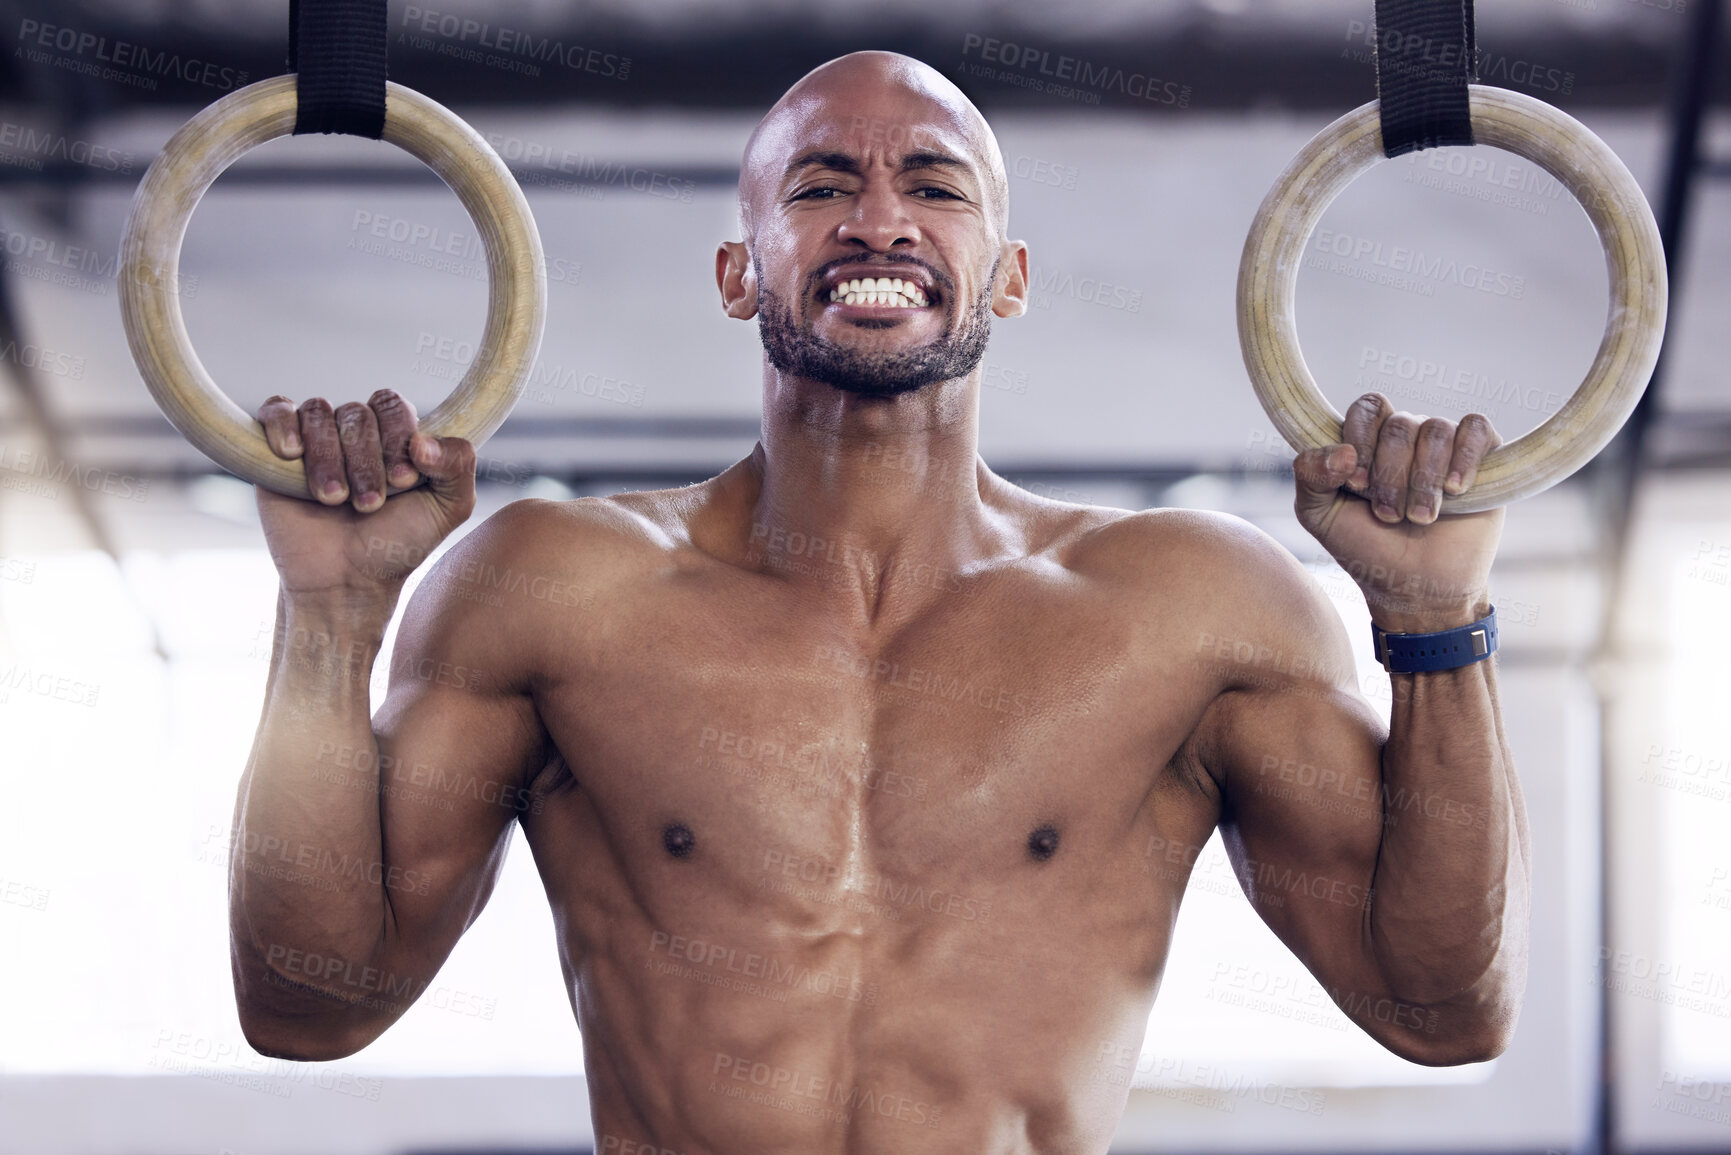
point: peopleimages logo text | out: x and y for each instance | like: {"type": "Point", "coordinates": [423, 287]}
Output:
{"type": "Point", "coordinates": [514, 43]}
{"type": "Point", "coordinates": [1081, 73]}
{"type": "Point", "coordinates": [35, 37]}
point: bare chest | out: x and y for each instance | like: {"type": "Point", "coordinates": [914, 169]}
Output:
{"type": "Point", "coordinates": [1010, 727]}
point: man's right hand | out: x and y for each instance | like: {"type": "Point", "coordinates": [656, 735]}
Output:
{"type": "Point", "coordinates": [350, 541]}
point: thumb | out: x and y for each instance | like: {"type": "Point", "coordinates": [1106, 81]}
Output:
{"type": "Point", "coordinates": [448, 464]}
{"type": "Point", "coordinates": [1320, 473]}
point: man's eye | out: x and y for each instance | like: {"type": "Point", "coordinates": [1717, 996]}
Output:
{"type": "Point", "coordinates": [937, 193]}
{"type": "Point", "coordinates": [819, 193]}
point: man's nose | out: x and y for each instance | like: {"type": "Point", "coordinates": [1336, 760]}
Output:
{"type": "Point", "coordinates": [879, 221]}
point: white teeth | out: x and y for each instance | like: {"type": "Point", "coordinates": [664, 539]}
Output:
{"type": "Point", "coordinates": [883, 291]}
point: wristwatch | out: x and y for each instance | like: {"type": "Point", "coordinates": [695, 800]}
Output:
{"type": "Point", "coordinates": [1443, 650]}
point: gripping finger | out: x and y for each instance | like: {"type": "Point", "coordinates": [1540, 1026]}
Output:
{"type": "Point", "coordinates": [1395, 445]}
{"type": "Point", "coordinates": [1474, 439]}
{"type": "Point", "coordinates": [282, 429]}
{"type": "Point", "coordinates": [361, 459]}
{"type": "Point", "coordinates": [396, 421]}
{"type": "Point", "coordinates": [1430, 464]}
{"type": "Point", "coordinates": [1360, 429]}
{"type": "Point", "coordinates": [324, 452]}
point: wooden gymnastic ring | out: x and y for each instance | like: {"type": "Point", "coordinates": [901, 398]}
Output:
{"type": "Point", "coordinates": [1568, 150]}
{"type": "Point", "coordinates": [214, 139]}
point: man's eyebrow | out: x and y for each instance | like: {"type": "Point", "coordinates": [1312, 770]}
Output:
{"type": "Point", "coordinates": [840, 161]}
{"type": "Point", "coordinates": [916, 160]}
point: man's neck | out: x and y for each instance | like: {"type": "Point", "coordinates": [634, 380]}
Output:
{"type": "Point", "coordinates": [872, 496]}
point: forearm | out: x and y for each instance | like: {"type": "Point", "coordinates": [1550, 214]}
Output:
{"type": "Point", "coordinates": [307, 876]}
{"type": "Point", "coordinates": [1448, 921]}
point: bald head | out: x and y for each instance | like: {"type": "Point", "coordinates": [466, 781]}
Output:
{"type": "Point", "coordinates": [871, 99]}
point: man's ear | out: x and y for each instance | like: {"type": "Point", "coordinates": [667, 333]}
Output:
{"type": "Point", "coordinates": [736, 279]}
{"type": "Point", "coordinates": [1010, 294]}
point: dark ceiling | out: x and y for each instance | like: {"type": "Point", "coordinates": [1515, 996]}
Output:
{"type": "Point", "coordinates": [1230, 54]}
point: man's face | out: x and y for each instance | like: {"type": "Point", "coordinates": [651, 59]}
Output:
{"type": "Point", "coordinates": [854, 188]}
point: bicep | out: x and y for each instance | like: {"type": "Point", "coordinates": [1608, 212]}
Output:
{"type": "Point", "coordinates": [459, 744]}
{"type": "Point", "coordinates": [1297, 753]}
{"type": "Point", "coordinates": [1301, 776]}
{"type": "Point", "coordinates": [1305, 811]}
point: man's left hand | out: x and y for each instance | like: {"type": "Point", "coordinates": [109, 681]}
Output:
{"type": "Point", "coordinates": [1372, 502]}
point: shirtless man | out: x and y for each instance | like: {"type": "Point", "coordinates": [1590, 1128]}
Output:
{"type": "Point", "coordinates": [865, 785]}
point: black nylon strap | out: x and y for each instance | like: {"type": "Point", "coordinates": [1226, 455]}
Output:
{"type": "Point", "coordinates": [1425, 58]}
{"type": "Point", "coordinates": [337, 50]}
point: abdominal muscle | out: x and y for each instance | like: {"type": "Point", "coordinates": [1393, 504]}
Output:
{"type": "Point", "coordinates": [760, 1012]}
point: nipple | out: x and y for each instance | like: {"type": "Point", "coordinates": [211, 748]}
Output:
{"type": "Point", "coordinates": [679, 840]}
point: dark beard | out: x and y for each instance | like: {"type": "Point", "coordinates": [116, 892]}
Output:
{"type": "Point", "coordinates": [798, 351]}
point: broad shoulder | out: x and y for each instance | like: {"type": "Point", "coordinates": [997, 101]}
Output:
{"type": "Point", "coordinates": [508, 583]}
{"type": "Point", "coordinates": [1230, 583]}
{"type": "Point", "coordinates": [1218, 548]}
{"type": "Point", "coordinates": [599, 535]}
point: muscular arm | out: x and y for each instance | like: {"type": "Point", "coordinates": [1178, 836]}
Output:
{"type": "Point", "coordinates": [1394, 866]}
{"type": "Point", "coordinates": [364, 847]}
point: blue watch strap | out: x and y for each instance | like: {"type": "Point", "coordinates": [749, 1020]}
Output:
{"type": "Point", "coordinates": [1443, 650]}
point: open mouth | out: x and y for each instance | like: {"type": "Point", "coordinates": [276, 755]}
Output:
{"type": "Point", "coordinates": [879, 292]}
